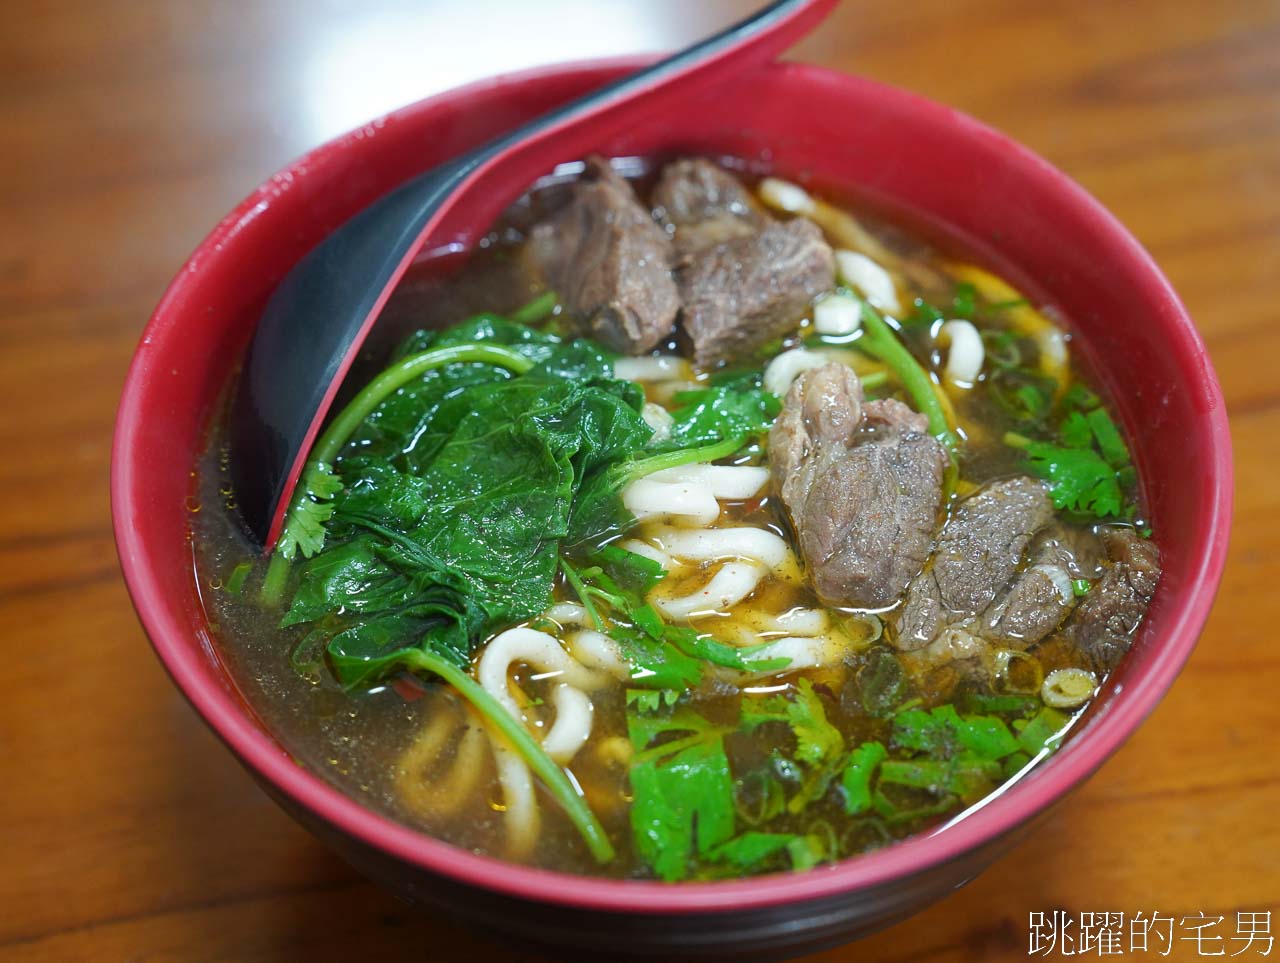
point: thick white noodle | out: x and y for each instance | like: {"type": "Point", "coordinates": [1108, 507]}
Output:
{"type": "Point", "coordinates": [874, 282]}
{"type": "Point", "coordinates": [788, 366]}
{"type": "Point", "coordinates": [663, 367]}
{"type": "Point", "coordinates": [649, 552]}
{"type": "Point", "coordinates": [597, 651]}
{"type": "Point", "coordinates": [749, 554]}
{"type": "Point", "coordinates": [806, 652]}
{"type": "Point", "coordinates": [965, 352]}
{"type": "Point", "coordinates": [567, 613]}
{"type": "Point", "coordinates": [710, 545]}
{"type": "Point", "coordinates": [723, 481]}
{"type": "Point", "coordinates": [691, 491]}
{"type": "Point", "coordinates": [837, 314]}
{"type": "Point", "coordinates": [522, 820]}
{"type": "Point", "coordinates": [646, 499]}
{"type": "Point", "coordinates": [572, 726]}
{"type": "Point", "coordinates": [538, 649]}
{"type": "Point", "coordinates": [785, 196]}
{"type": "Point", "coordinates": [797, 621]}
{"type": "Point", "coordinates": [1060, 578]}
{"type": "Point", "coordinates": [729, 586]}
{"type": "Point", "coordinates": [441, 786]}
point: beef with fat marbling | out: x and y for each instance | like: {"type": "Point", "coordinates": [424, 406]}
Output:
{"type": "Point", "coordinates": [742, 293]}
{"type": "Point", "coordinates": [609, 262]}
{"type": "Point", "coordinates": [703, 204]}
{"type": "Point", "coordinates": [1103, 624]}
{"type": "Point", "coordinates": [862, 483]}
{"type": "Point", "coordinates": [978, 552]}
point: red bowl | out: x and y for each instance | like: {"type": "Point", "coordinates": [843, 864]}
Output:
{"type": "Point", "coordinates": [924, 162]}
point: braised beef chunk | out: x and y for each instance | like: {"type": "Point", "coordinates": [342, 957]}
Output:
{"type": "Point", "coordinates": [746, 291]}
{"type": "Point", "coordinates": [1042, 595]}
{"type": "Point", "coordinates": [609, 262]}
{"type": "Point", "coordinates": [978, 552]}
{"type": "Point", "coordinates": [823, 407]}
{"type": "Point", "coordinates": [1036, 603]}
{"type": "Point", "coordinates": [862, 484]}
{"type": "Point", "coordinates": [704, 205]}
{"type": "Point", "coordinates": [1103, 623]}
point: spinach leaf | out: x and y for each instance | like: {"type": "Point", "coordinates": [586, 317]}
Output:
{"type": "Point", "coordinates": [710, 415]}
{"type": "Point", "coordinates": [471, 531]}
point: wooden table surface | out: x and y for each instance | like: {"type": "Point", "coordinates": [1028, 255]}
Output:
{"type": "Point", "coordinates": [127, 127]}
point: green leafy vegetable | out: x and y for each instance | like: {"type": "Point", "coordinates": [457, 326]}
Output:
{"type": "Point", "coordinates": [858, 773]}
{"type": "Point", "coordinates": [682, 791]}
{"type": "Point", "coordinates": [879, 341]}
{"type": "Point", "coordinates": [819, 744]}
{"type": "Point", "coordinates": [469, 542]}
{"type": "Point", "coordinates": [303, 522]}
{"type": "Point", "coordinates": [964, 300]}
{"type": "Point", "coordinates": [662, 655]}
{"type": "Point", "coordinates": [1078, 478]}
{"type": "Point", "coordinates": [1042, 731]}
{"type": "Point", "coordinates": [709, 415]}
{"type": "Point", "coordinates": [1108, 437]}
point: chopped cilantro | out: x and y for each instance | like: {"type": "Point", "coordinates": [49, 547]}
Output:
{"type": "Point", "coordinates": [682, 790]}
{"type": "Point", "coordinates": [1078, 478]}
{"type": "Point", "coordinates": [858, 773]}
{"type": "Point", "coordinates": [1108, 437]}
{"type": "Point", "coordinates": [1042, 731]}
{"type": "Point", "coordinates": [964, 300]}
{"type": "Point", "coordinates": [304, 529]}
{"type": "Point", "coordinates": [922, 315]}
{"type": "Point", "coordinates": [1075, 432]}
{"type": "Point", "coordinates": [1079, 398]}
{"type": "Point", "coordinates": [819, 744]}
{"type": "Point", "coordinates": [652, 700]}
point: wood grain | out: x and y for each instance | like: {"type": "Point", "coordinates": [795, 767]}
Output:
{"type": "Point", "coordinates": [127, 127]}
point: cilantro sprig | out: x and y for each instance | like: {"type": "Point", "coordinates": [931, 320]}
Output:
{"type": "Point", "coordinates": [1087, 466]}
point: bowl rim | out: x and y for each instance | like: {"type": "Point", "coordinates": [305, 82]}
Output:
{"type": "Point", "coordinates": [1001, 813]}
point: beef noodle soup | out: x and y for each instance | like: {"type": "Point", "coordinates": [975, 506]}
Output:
{"type": "Point", "coordinates": [693, 529]}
